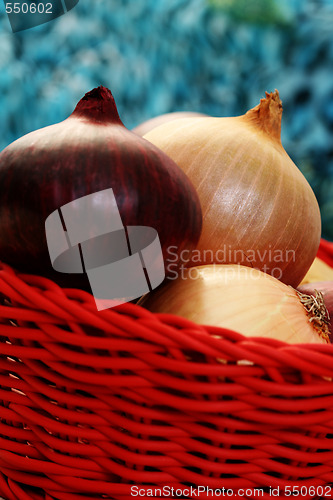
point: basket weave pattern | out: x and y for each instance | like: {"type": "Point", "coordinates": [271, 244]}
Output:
{"type": "Point", "coordinates": [92, 402]}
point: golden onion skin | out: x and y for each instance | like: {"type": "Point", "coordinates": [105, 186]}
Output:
{"type": "Point", "coordinates": [258, 208]}
{"type": "Point", "coordinates": [145, 127]}
{"type": "Point", "coordinates": [245, 300]}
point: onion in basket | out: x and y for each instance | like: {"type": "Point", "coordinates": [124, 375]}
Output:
{"type": "Point", "coordinates": [258, 209]}
{"type": "Point", "coordinates": [145, 127]}
{"type": "Point", "coordinates": [319, 271]}
{"type": "Point", "coordinates": [243, 299]}
{"type": "Point", "coordinates": [91, 151]}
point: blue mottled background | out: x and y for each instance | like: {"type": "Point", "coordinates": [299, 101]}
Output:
{"type": "Point", "coordinates": [214, 56]}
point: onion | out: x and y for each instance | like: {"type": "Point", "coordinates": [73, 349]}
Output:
{"type": "Point", "coordinates": [258, 208]}
{"type": "Point", "coordinates": [325, 290]}
{"type": "Point", "coordinates": [319, 271]}
{"type": "Point", "coordinates": [144, 127]}
{"type": "Point", "coordinates": [90, 151]}
{"type": "Point", "coordinates": [242, 299]}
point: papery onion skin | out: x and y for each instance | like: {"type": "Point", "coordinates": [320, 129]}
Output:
{"type": "Point", "coordinates": [318, 271]}
{"type": "Point", "coordinates": [88, 152]}
{"type": "Point", "coordinates": [148, 125]}
{"type": "Point", "coordinates": [258, 208]}
{"type": "Point", "coordinates": [239, 298]}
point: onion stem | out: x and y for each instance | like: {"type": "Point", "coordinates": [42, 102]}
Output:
{"type": "Point", "coordinates": [317, 312]}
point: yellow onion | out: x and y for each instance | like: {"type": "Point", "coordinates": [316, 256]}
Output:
{"type": "Point", "coordinates": [245, 300]}
{"type": "Point", "coordinates": [144, 127]}
{"type": "Point", "coordinates": [258, 208]}
{"type": "Point", "coordinates": [319, 271]}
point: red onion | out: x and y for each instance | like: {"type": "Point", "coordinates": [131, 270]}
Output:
{"type": "Point", "coordinates": [90, 151]}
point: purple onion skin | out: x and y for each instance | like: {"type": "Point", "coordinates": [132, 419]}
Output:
{"type": "Point", "coordinates": [326, 288]}
{"type": "Point", "coordinates": [88, 152]}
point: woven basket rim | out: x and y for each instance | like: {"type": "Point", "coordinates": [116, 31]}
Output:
{"type": "Point", "coordinates": [49, 302]}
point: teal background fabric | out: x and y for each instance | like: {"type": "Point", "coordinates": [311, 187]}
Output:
{"type": "Point", "coordinates": [156, 56]}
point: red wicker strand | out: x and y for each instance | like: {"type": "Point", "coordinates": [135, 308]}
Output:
{"type": "Point", "coordinates": [94, 404]}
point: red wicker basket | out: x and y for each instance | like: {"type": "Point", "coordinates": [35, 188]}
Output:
{"type": "Point", "coordinates": [122, 403]}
